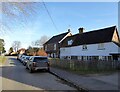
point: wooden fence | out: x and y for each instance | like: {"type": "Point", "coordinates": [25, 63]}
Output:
{"type": "Point", "coordinates": [85, 65]}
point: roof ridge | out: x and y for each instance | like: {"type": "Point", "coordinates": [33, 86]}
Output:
{"type": "Point", "coordinates": [99, 29]}
{"type": "Point", "coordinates": [94, 30]}
{"type": "Point", "coordinates": [56, 37]}
{"type": "Point", "coordinates": [60, 34]}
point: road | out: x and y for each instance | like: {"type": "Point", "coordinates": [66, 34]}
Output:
{"type": "Point", "coordinates": [15, 77]}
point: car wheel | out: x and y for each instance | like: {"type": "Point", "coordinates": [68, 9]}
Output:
{"type": "Point", "coordinates": [23, 64]}
{"type": "Point", "coordinates": [48, 70]}
{"type": "Point", "coordinates": [26, 67]}
{"type": "Point", "coordinates": [30, 70]}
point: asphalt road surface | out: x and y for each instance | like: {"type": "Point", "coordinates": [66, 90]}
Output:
{"type": "Point", "coordinates": [15, 77]}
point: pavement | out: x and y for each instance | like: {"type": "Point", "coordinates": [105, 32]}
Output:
{"type": "Point", "coordinates": [92, 82]}
{"type": "Point", "coordinates": [14, 76]}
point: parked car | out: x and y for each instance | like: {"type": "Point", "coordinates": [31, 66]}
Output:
{"type": "Point", "coordinates": [25, 60]}
{"type": "Point", "coordinates": [22, 58]}
{"type": "Point", "coordinates": [37, 62]}
{"type": "Point", "coordinates": [19, 56]}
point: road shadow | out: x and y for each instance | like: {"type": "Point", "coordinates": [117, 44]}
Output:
{"type": "Point", "coordinates": [18, 73]}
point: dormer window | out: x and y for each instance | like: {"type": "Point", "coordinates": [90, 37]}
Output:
{"type": "Point", "coordinates": [84, 47]}
{"type": "Point", "coordinates": [70, 42]}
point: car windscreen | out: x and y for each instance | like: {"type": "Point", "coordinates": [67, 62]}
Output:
{"type": "Point", "coordinates": [40, 59]}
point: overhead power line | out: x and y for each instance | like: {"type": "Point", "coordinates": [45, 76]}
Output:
{"type": "Point", "coordinates": [50, 16]}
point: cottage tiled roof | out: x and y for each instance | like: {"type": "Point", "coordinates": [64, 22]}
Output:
{"type": "Point", "coordinates": [57, 38]}
{"type": "Point", "coordinates": [92, 37]}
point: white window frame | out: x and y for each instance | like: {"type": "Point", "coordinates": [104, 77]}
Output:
{"type": "Point", "coordinates": [79, 57]}
{"type": "Point", "coordinates": [70, 42]}
{"type": "Point", "coordinates": [84, 58]}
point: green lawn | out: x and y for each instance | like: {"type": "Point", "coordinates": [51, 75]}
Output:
{"type": "Point", "coordinates": [2, 59]}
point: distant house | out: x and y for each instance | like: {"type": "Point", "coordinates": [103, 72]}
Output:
{"type": "Point", "coordinates": [102, 44]}
{"type": "Point", "coordinates": [52, 46]}
{"type": "Point", "coordinates": [21, 51]}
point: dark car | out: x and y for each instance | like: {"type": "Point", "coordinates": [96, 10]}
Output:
{"type": "Point", "coordinates": [38, 62]}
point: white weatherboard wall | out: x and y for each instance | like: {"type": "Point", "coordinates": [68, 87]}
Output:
{"type": "Point", "coordinates": [92, 50]}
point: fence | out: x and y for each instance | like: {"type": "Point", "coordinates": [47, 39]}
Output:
{"type": "Point", "coordinates": [85, 65]}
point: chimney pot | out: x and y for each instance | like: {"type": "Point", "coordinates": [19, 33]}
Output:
{"type": "Point", "coordinates": [81, 30]}
{"type": "Point", "coordinates": [68, 30]}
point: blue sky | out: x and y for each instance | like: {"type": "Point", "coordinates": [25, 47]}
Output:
{"type": "Point", "coordinates": [90, 15]}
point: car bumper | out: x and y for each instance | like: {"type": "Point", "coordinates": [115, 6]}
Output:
{"type": "Point", "coordinates": [38, 68]}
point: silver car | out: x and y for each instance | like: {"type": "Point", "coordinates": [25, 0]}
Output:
{"type": "Point", "coordinates": [37, 62]}
{"type": "Point", "coordinates": [25, 60]}
{"type": "Point", "coordinates": [22, 58]}
{"type": "Point", "coordinates": [19, 56]}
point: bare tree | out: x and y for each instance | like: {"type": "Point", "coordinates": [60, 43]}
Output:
{"type": "Point", "coordinates": [44, 39]}
{"type": "Point", "coordinates": [41, 41]}
{"type": "Point", "coordinates": [15, 11]}
{"type": "Point", "coordinates": [10, 8]}
{"type": "Point", "coordinates": [16, 45]}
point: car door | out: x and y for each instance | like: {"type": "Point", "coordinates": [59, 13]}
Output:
{"type": "Point", "coordinates": [29, 63]}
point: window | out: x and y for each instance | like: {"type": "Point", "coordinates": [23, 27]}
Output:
{"type": "Point", "coordinates": [54, 46]}
{"type": "Point", "coordinates": [79, 57]}
{"type": "Point", "coordinates": [100, 58]}
{"type": "Point", "coordinates": [89, 57]}
{"type": "Point", "coordinates": [39, 59]}
{"type": "Point", "coordinates": [74, 57]}
{"type": "Point", "coordinates": [84, 47]}
{"type": "Point", "coordinates": [69, 57]}
{"type": "Point", "coordinates": [101, 46]}
{"type": "Point", "coordinates": [104, 57]}
{"type": "Point", "coordinates": [70, 42]}
{"type": "Point", "coordinates": [109, 57]}
{"type": "Point", "coordinates": [45, 47]}
{"type": "Point", "coordinates": [85, 58]}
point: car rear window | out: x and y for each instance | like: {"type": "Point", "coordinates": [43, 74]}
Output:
{"type": "Point", "coordinates": [27, 58]}
{"type": "Point", "coordinates": [39, 59]}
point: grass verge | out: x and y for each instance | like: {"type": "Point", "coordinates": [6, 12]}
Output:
{"type": "Point", "coordinates": [2, 59]}
{"type": "Point", "coordinates": [87, 72]}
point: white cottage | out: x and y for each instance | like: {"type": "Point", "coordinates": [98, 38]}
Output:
{"type": "Point", "coordinates": [102, 44]}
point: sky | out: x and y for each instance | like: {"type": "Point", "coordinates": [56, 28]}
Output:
{"type": "Point", "coordinates": [65, 15]}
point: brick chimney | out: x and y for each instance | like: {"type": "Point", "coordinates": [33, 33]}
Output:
{"type": "Point", "coordinates": [81, 30]}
